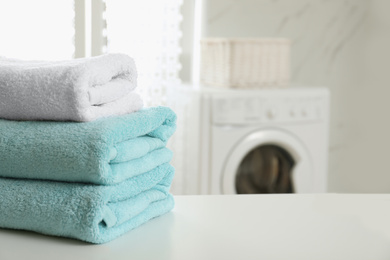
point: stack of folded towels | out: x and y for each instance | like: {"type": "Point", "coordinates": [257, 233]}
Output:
{"type": "Point", "coordinates": [94, 179]}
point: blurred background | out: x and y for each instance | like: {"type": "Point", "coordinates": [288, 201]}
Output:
{"type": "Point", "coordinates": [341, 45]}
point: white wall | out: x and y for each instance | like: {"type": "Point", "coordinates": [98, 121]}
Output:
{"type": "Point", "coordinates": [340, 44]}
{"type": "Point", "coordinates": [366, 167]}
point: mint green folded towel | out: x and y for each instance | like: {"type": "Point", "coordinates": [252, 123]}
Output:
{"type": "Point", "coordinates": [105, 151]}
{"type": "Point", "coordinates": [88, 212]}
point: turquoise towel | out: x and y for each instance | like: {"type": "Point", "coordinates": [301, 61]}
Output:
{"type": "Point", "coordinates": [105, 151]}
{"type": "Point", "coordinates": [92, 213]}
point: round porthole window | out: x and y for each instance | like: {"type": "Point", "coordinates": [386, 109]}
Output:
{"type": "Point", "coordinates": [265, 169]}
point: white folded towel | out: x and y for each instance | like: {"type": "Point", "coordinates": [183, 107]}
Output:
{"type": "Point", "coordinates": [76, 90]}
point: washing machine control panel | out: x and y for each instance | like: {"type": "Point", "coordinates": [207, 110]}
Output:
{"type": "Point", "coordinates": [253, 110]}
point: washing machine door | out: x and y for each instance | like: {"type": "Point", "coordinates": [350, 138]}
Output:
{"type": "Point", "coordinates": [268, 161]}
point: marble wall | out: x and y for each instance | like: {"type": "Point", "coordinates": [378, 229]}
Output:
{"type": "Point", "coordinates": [365, 167]}
{"type": "Point", "coordinates": [332, 48]}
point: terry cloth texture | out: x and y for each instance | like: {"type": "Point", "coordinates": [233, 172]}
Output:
{"type": "Point", "coordinates": [92, 213]}
{"type": "Point", "coordinates": [105, 151]}
{"type": "Point", "coordinates": [75, 90]}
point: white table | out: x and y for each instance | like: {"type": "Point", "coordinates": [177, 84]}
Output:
{"type": "Point", "coordinates": [329, 226]}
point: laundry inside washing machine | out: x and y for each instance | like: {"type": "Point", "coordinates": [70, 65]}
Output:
{"type": "Point", "coordinates": [265, 169]}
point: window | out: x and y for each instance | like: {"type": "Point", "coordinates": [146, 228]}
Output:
{"type": "Point", "coordinates": [147, 30]}
{"type": "Point", "coordinates": [29, 31]}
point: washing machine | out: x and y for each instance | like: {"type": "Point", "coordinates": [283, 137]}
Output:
{"type": "Point", "coordinates": [256, 141]}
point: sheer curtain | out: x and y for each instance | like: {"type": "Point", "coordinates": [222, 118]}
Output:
{"type": "Point", "coordinates": [149, 31]}
{"type": "Point", "coordinates": [39, 29]}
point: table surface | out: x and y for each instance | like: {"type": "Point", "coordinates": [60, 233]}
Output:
{"type": "Point", "coordinates": [327, 226]}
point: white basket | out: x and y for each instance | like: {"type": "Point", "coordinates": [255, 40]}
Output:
{"type": "Point", "coordinates": [245, 63]}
